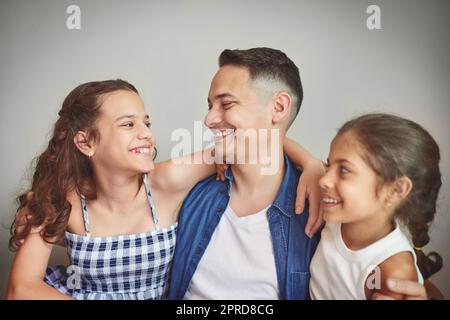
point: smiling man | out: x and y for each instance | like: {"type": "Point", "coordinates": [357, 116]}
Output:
{"type": "Point", "coordinates": [241, 238]}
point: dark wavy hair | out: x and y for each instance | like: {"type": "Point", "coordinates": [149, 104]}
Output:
{"type": "Point", "coordinates": [62, 168]}
{"type": "Point", "coordinates": [396, 147]}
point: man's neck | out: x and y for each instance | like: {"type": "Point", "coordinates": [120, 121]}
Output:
{"type": "Point", "coordinates": [253, 190]}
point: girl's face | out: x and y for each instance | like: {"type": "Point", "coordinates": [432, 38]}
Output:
{"type": "Point", "coordinates": [126, 143]}
{"type": "Point", "coordinates": [349, 187]}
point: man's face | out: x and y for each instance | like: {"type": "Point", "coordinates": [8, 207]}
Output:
{"type": "Point", "coordinates": [234, 105]}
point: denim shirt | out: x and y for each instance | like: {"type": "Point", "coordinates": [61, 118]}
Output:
{"type": "Point", "coordinates": [201, 212]}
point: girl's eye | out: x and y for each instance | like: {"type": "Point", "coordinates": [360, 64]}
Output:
{"type": "Point", "coordinates": [344, 170]}
{"type": "Point", "coordinates": [148, 124]}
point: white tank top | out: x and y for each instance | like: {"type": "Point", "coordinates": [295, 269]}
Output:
{"type": "Point", "coordinates": [338, 273]}
{"type": "Point", "coordinates": [239, 262]}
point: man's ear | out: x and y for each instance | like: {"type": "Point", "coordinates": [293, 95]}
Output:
{"type": "Point", "coordinates": [282, 107]}
{"type": "Point", "coordinates": [400, 190]}
{"type": "Point", "coordinates": [81, 141]}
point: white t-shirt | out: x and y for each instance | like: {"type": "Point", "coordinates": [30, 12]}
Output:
{"type": "Point", "coordinates": [339, 273]}
{"type": "Point", "coordinates": [239, 262]}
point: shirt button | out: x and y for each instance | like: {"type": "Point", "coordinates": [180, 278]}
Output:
{"type": "Point", "coordinates": [219, 210]}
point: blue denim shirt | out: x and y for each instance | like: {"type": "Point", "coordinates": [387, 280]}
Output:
{"type": "Point", "coordinates": [201, 212]}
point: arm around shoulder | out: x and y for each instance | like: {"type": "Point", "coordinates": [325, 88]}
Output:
{"type": "Point", "coordinates": [182, 174]}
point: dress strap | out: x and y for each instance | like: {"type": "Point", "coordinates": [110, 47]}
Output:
{"type": "Point", "coordinates": [87, 226]}
{"type": "Point", "coordinates": [150, 201]}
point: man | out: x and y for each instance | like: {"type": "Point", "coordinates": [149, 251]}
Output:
{"type": "Point", "coordinates": [241, 239]}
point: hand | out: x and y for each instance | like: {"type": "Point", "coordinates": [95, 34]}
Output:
{"type": "Point", "coordinates": [308, 188]}
{"type": "Point", "coordinates": [410, 289]}
{"type": "Point", "coordinates": [221, 168]}
{"type": "Point", "coordinates": [21, 219]}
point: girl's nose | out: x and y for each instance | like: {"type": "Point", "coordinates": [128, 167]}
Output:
{"type": "Point", "coordinates": [326, 181]}
{"type": "Point", "coordinates": [145, 133]}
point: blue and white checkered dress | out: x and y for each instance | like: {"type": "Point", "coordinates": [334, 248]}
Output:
{"type": "Point", "coordinates": [132, 266]}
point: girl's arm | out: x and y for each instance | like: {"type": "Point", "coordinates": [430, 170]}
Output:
{"type": "Point", "coordinates": [182, 174]}
{"type": "Point", "coordinates": [308, 186]}
{"type": "Point", "coordinates": [28, 270]}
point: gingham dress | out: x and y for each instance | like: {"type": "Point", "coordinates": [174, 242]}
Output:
{"type": "Point", "coordinates": [132, 266]}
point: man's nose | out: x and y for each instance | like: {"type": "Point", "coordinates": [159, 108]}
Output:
{"type": "Point", "coordinates": [213, 117]}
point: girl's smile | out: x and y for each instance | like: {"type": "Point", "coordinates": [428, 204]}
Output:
{"type": "Point", "coordinates": [350, 188]}
{"type": "Point", "coordinates": [328, 201]}
{"type": "Point", "coordinates": [127, 143]}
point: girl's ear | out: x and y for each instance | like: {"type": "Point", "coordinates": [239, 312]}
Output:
{"type": "Point", "coordinates": [400, 190]}
{"type": "Point", "coordinates": [81, 141]}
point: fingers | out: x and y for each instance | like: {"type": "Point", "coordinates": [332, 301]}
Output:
{"type": "Point", "coordinates": [301, 197]}
{"type": "Point", "coordinates": [318, 224]}
{"type": "Point", "coordinates": [315, 220]}
{"type": "Point", "coordinates": [379, 296]}
{"type": "Point", "coordinates": [221, 168]}
{"type": "Point", "coordinates": [411, 289]}
{"type": "Point", "coordinates": [23, 216]}
{"type": "Point", "coordinates": [313, 216]}
{"type": "Point", "coordinates": [222, 173]}
{"type": "Point", "coordinates": [415, 298]}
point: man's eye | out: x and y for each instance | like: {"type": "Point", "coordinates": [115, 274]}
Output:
{"type": "Point", "coordinates": [128, 124]}
{"type": "Point", "coordinates": [148, 124]}
{"type": "Point", "coordinates": [227, 104]}
{"type": "Point", "coordinates": [209, 107]}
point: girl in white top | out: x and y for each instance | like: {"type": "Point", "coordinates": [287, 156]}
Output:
{"type": "Point", "coordinates": [381, 170]}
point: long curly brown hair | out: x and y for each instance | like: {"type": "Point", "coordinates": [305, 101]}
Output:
{"type": "Point", "coordinates": [62, 168]}
{"type": "Point", "coordinates": [396, 147]}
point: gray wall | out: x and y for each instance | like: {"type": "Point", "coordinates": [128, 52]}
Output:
{"type": "Point", "coordinates": [169, 50]}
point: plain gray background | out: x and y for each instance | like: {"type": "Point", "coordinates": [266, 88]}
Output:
{"type": "Point", "coordinates": [169, 50]}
